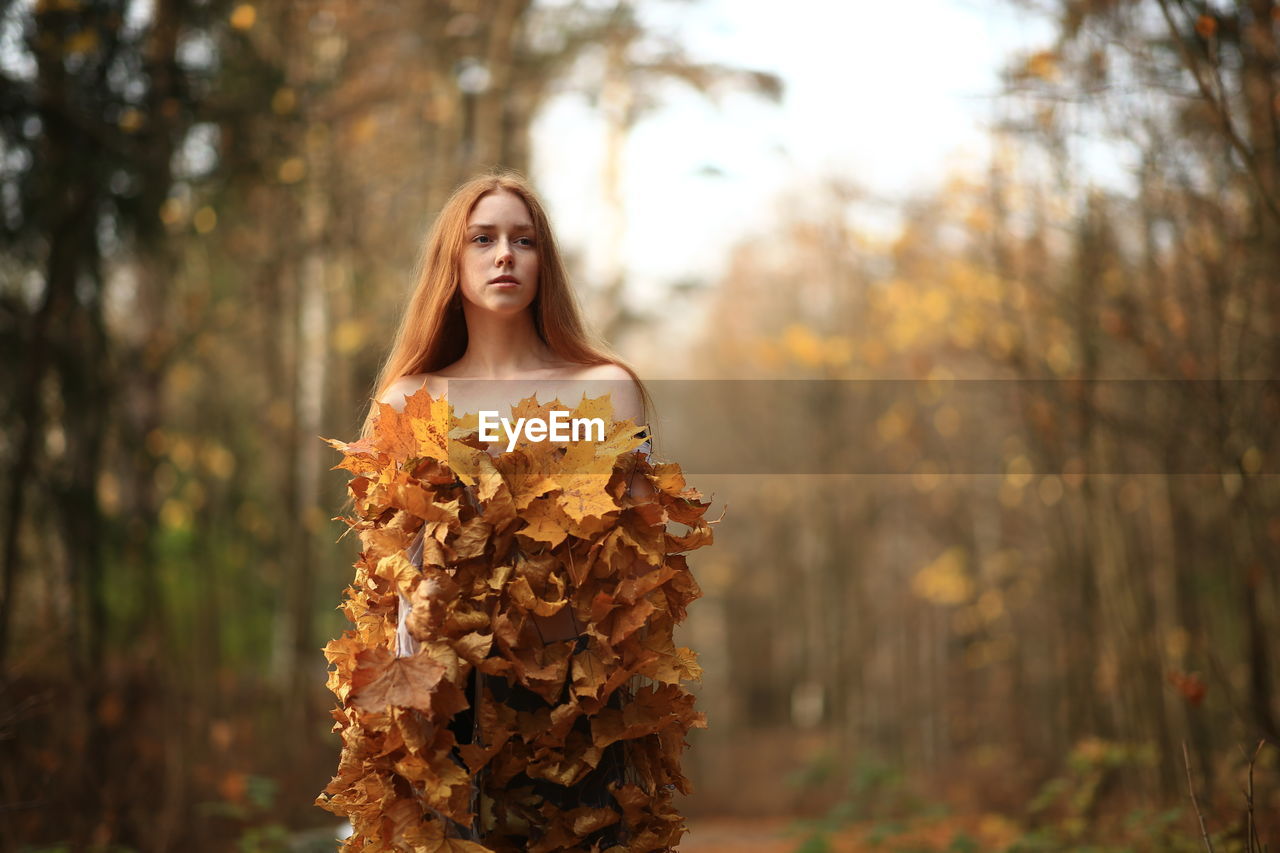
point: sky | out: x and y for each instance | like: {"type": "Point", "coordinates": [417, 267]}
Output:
{"type": "Point", "coordinates": [892, 96]}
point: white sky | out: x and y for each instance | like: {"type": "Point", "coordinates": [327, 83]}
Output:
{"type": "Point", "coordinates": [890, 95]}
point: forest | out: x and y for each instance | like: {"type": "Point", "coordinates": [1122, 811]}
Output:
{"type": "Point", "coordinates": [1014, 588]}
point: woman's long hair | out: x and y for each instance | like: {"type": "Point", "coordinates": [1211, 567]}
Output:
{"type": "Point", "coordinates": [433, 330]}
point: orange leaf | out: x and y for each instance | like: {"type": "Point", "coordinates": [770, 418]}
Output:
{"type": "Point", "coordinates": [381, 680]}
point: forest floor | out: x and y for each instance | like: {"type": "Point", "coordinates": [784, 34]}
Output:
{"type": "Point", "coordinates": [757, 835]}
{"type": "Point", "coordinates": [785, 835]}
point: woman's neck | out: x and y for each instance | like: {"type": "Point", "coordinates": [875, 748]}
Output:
{"type": "Point", "coordinates": [500, 347]}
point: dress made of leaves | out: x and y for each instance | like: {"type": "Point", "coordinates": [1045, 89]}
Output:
{"type": "Point", "coordinates": [472, 734]}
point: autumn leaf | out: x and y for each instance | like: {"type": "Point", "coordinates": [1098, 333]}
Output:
{"type": "Point", "coordinates": [667, 662]}
{"type": "Point", "coordinates": [1189, 685]}
{"type": "Point", "coordinates": [523, 595]}
{"type": "Point", "coordinates": [529, 474]}
{"type": "Point", "coordinates": [429, 837]}
{"type": "Point", "coordinates": [472, 540]}
{"type": "Point", "coordinates": [359, 457]}
{"type": "Point", "coordinates": [381, 680]}
{"type": "Point", "coordinates": [546, 522]}
{"type": "Point", "coordinates": [401, 574]}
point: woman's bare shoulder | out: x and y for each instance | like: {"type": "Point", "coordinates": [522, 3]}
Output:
{"type": "Point", "coordinates": [614, 379]}
{"type": "Point", "coordinates": [608, 370]}
{"type": "Point", "coordinates": [407, 386]}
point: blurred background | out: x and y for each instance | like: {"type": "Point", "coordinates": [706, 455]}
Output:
{"type": "Point", "coordinates": [209, 215]}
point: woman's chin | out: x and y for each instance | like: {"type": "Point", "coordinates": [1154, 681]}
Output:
{"type": "Point", "coordinates": [505, 305]}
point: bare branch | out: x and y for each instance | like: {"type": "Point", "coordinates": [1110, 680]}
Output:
{"type": "Point", "coordinates": [1220, 109]}
{"type": "Point", "coordinates": [1204, 832]}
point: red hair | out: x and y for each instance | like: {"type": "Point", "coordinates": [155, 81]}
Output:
{"type": "Point", "coordinates": [431, 336]}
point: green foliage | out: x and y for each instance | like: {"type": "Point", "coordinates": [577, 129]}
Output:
{"type": "Point", "coordinates": [1062, 812]}
{"type": "Point", "coordinates": [268, 838]}
{"type": "Point", "coordinates": [817, 843]}
{"type": "Point", "coordinates": [884, 830]}
{"type": "Point", "coordinates": [261, 791]}
{"type": "Point", "coordinates": [872, 790]}
{"type": "Point", "coordinates": [260, 834]}
{"type": "Point", "coordinates": [1066, 815]}
{"type": "Point", "coordinates": [815, 773]}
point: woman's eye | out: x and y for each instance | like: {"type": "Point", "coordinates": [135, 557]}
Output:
{"type": "Point", "coordinates": [525, 241]}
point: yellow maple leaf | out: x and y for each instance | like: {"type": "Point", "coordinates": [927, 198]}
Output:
{"type": "Point", "coordinates": [545, 522]}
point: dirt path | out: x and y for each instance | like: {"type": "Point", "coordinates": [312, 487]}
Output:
{"type": "Point", "coordinates": [728, 835]}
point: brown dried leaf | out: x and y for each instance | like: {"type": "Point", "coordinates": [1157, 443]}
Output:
{"type": "Point", "coordinates": [381, 680]}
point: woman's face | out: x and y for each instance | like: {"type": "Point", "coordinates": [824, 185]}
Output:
{"type": "Point", "coordinates": [499, 244]}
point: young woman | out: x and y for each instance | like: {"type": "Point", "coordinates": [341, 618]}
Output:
{"type": "Point", "coordinates": [493, 302]}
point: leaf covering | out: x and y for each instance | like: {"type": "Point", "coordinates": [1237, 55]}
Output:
{"type": "Point", "coordinates": [507, 539]}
